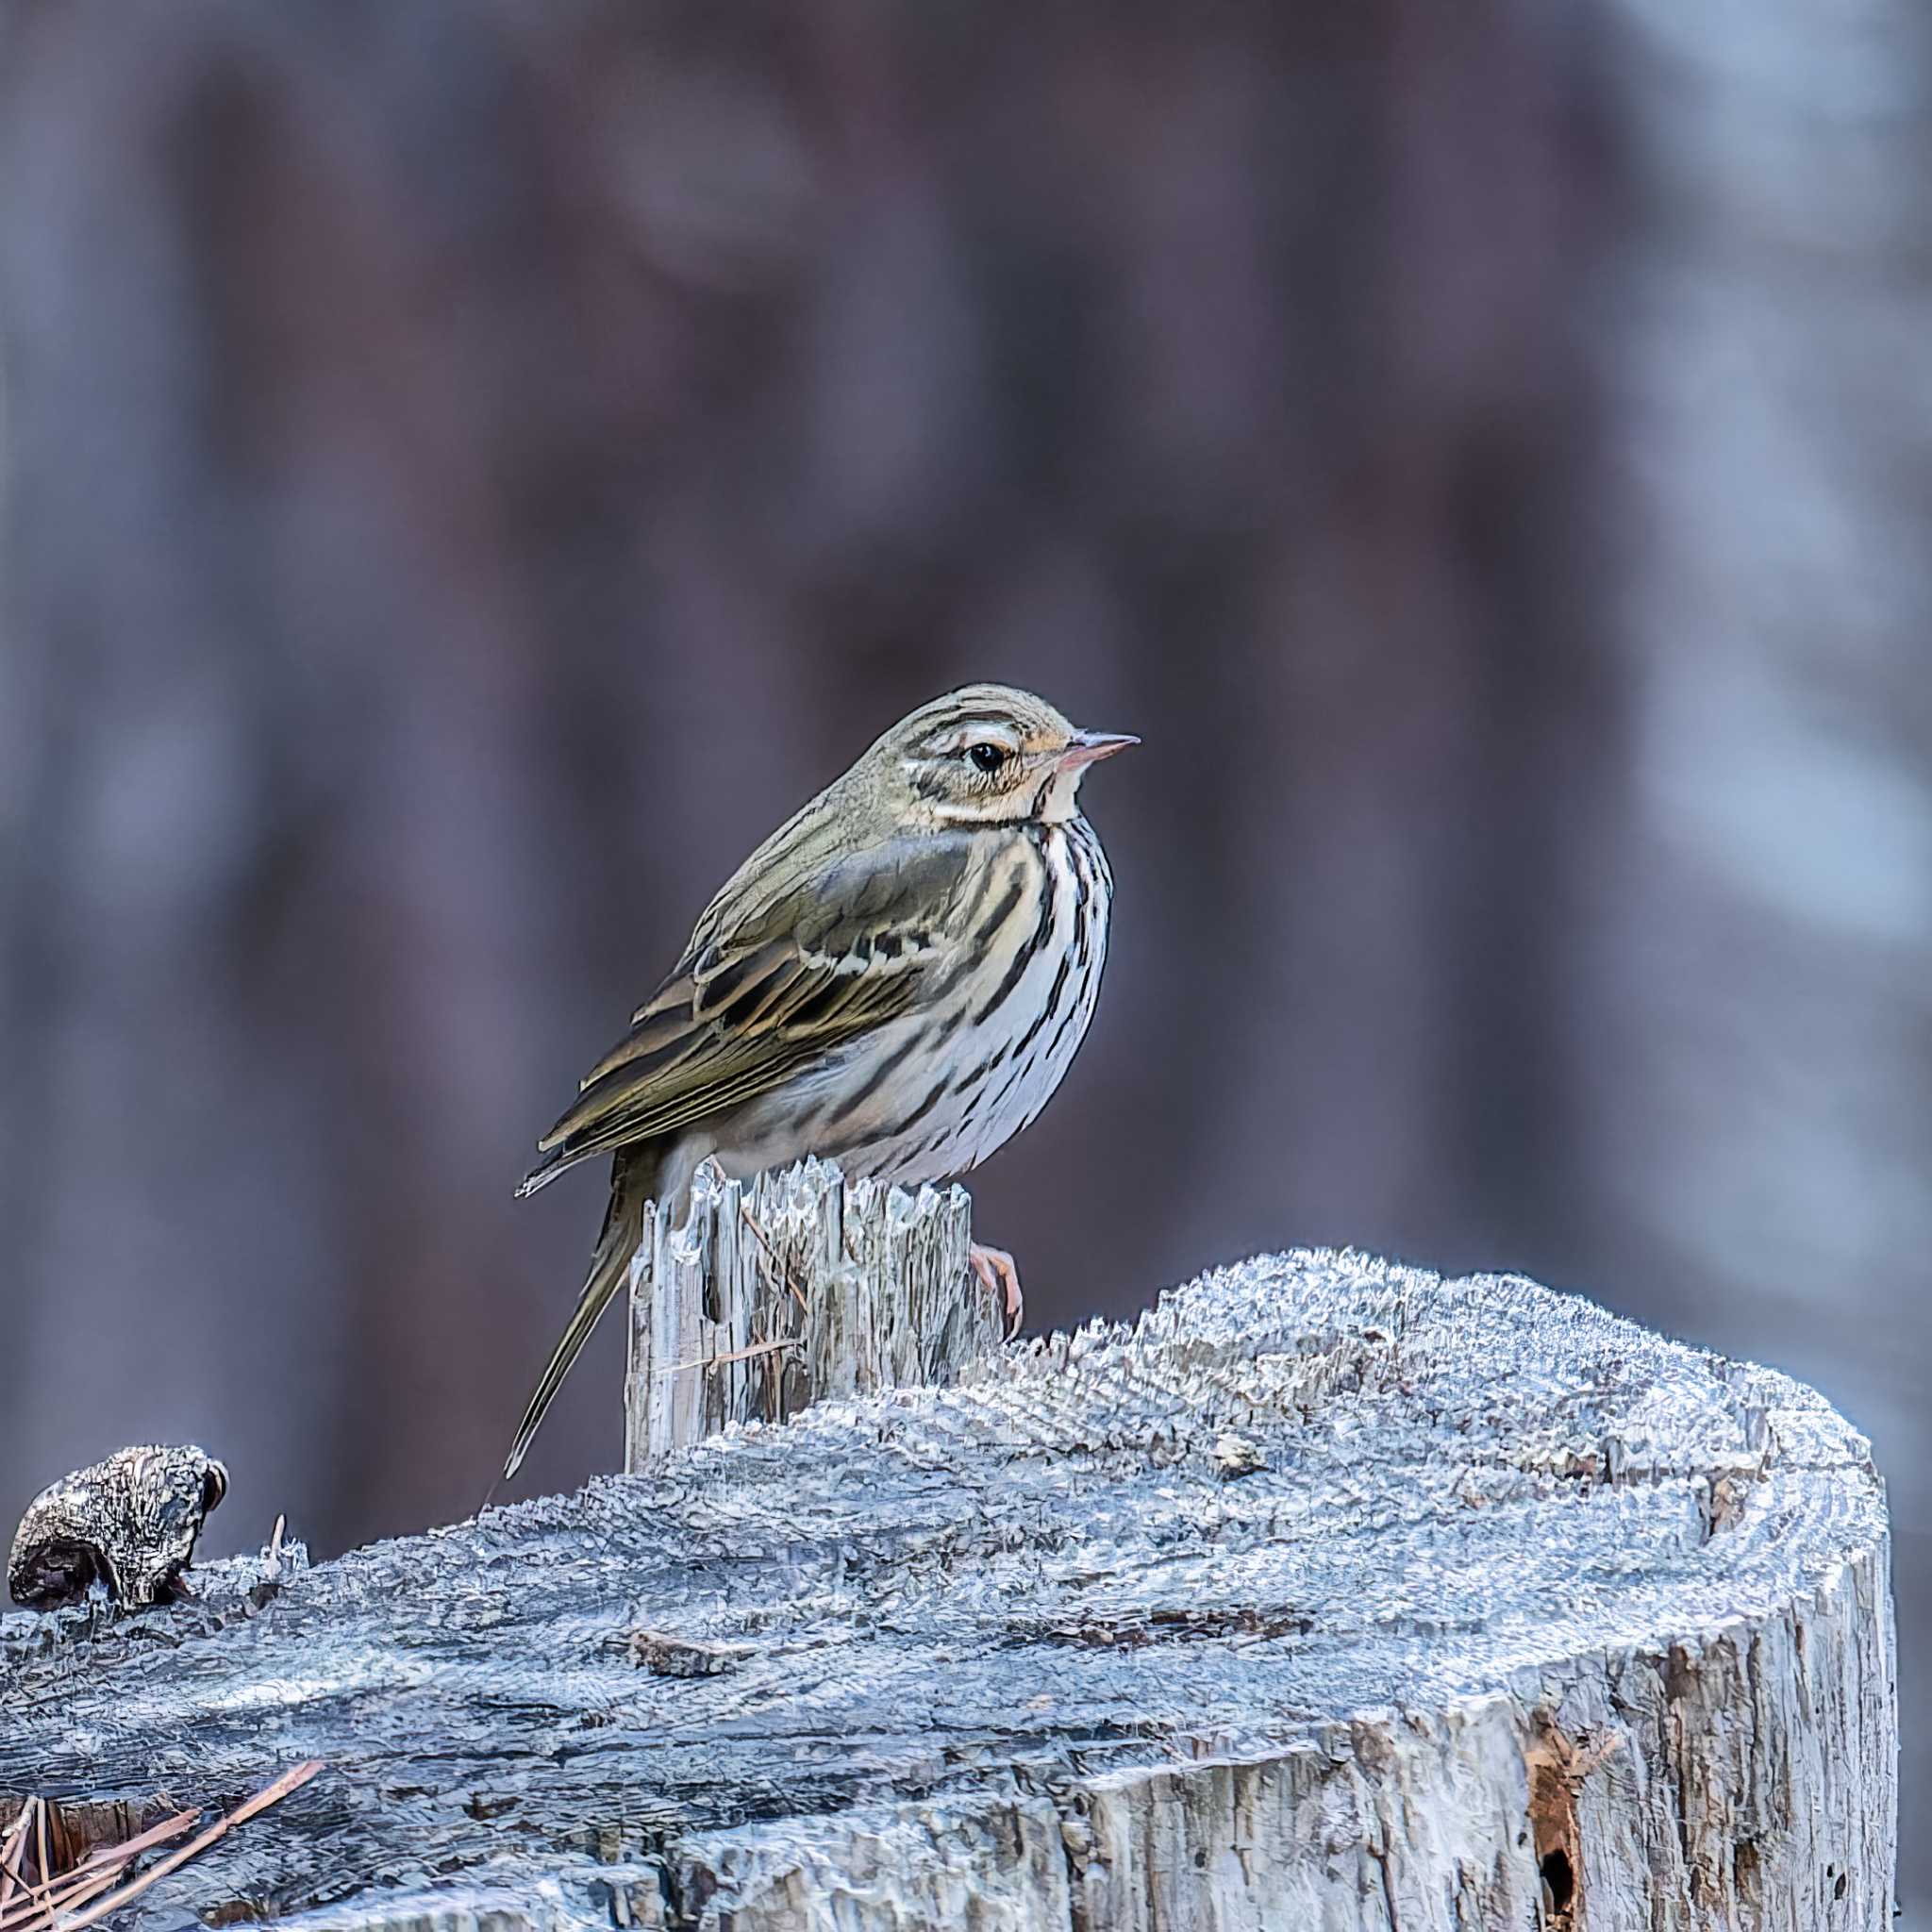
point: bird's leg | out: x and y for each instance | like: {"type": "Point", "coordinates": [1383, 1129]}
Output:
{"type": "Point", "coordinates": [995, 1267]}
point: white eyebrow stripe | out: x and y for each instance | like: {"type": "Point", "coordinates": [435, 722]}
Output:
{"type": "Point", "coordinates": [976, 731]}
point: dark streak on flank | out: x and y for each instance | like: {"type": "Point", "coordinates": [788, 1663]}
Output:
{"type": "Point", "coordinates": [1019, 1068]}
{"type": "Point", "coordinates": [1021, 1064]}
{"type": "Point", "coordinates": [971, 957]}
{"type": "Point", "coordinates": [880, 1074]}
{"type": "Point", "coordinates": [1060, 1033]}
{"type": "Point", "coordinates": [1007, 906]}
{"type": "Point", "coordinates": [969, 1082]}
{"type": "Point", "coordinates": [1047, 1011]}
{"type": "Point", "coordinates": [920, 1112]}
{"type": "Point", "coordinates": [1029, 948]}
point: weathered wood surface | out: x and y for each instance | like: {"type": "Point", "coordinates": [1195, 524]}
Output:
{"type": "Point", "coordinates": [1336, 1596]}
{"type": "Point", "coordinates": [800, 1285]}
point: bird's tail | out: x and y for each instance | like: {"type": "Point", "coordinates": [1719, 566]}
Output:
{"type": "Point", "coordinates": [623, 1223]}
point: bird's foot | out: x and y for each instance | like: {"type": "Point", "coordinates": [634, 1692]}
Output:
{"type": "Point", "coordinates": [996, 1268]}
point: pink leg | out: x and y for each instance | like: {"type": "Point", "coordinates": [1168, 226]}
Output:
{"type": "Point", "coordinates": [995, 1267]}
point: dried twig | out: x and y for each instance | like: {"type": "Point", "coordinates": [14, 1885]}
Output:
{"type": "Point", "coordinates": [42, 1909]}
{"type": "Point", "coordinates": [13, 1849]}
{"type": "Point", "coordinates": [50, 1906]}
{"type": "Point", "coordinates": [737, 1355]}
{"type": "Point", "coordinates": [39, 1905]}
{"type": "Point", "coordinates": [132, 1847]}
{"type": "Point", "coordinates": [764, 1240]}
{"type": "Point", "coordinates": [270, 1795]}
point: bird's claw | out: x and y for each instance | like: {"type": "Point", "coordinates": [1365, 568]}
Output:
{"type": "Point", "coordinates": [998, 1271]}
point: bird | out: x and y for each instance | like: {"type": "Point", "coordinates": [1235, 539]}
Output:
{"type": "Point", "coordinates": [896, 980]}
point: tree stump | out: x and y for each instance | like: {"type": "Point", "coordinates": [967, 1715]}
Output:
{"type": "Point", "coordinates": [1332, 1593]}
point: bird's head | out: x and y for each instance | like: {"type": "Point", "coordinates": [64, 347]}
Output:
{"type": "Point", "coordinates": [986, 753]}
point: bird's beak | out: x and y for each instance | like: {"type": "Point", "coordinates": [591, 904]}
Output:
{"type": "Point", "coordinates": [1090, 747]}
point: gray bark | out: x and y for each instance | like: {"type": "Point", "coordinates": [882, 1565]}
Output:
{"type": "Point", "coordinates": [1333, 1593]}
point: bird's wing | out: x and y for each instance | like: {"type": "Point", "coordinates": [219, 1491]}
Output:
{"type": "Point", "coordinates": [773, 980]}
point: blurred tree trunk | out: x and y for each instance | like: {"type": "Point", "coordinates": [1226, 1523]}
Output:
{"type": "Point", "coordinates": [1754, 1009]}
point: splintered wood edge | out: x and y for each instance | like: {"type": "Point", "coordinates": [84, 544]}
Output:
{"type": "Point", "coordinates": [795, 1287]}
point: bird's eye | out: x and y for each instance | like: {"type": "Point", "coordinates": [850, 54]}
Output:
{"type": "Point", "coordinates": [988, 758]}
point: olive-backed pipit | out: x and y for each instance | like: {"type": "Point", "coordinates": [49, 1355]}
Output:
{"type": "Point", "coordinates": [896, 979]}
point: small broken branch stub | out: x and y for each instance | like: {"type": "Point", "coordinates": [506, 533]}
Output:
{"type": "Point", "coordinates": [791, 1289]}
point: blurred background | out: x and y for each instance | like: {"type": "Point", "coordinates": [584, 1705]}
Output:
{"type": "Point", "coordinates": [469, 471]}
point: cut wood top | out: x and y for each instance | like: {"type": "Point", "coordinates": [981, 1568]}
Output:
{"type": "Point", "coordinates": [1302, 1493]}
